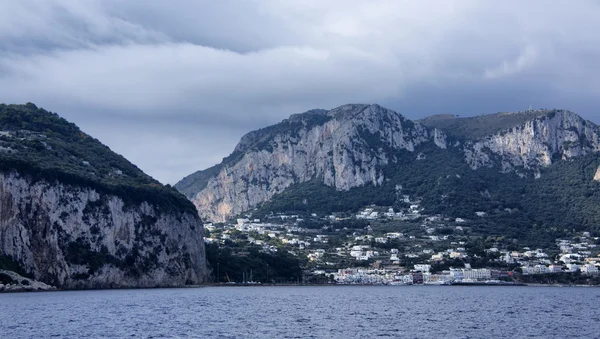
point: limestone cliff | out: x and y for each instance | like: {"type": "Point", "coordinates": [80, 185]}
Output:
{"type": "Point", "coordinates": [535, 143]}
{"type": "Point", "coordinates": [345, 147]}
{"type": "Point", "coordinates": [75, 237]}
{"type": "Point", "coordinates": [351, 145]}
{"type": "Point", "coordinates": [73, 214]}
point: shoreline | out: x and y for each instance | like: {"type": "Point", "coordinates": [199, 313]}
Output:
{"type": "Point", "coordinates": [298, 285]}
{"type": "Point", "coordinates": [409, 285]}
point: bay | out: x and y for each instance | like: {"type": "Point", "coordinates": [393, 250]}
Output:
{"type": "Point", "coordinates": [305, 312]}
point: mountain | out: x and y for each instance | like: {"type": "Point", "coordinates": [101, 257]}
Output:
{"type": "Point", "coordinates": [528, 140]}
{"type": "Point", "coordinates": [357, 155]}
{"type": "Point", "coordinates": [345, 147]}
{"type": "Point", "coordinates": [74, 214]}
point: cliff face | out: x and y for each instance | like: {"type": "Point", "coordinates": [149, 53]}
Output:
{"type": "Point", "coordinates": [351, 145]}
{"type": "Point", "coordinates": [346, 150]}
{"type": "Point", "coordinates": [74, 237]}
{"type": "Point", "coordinates": [535, 143]}
{"type": "Point", "coordinates": [74, 214]}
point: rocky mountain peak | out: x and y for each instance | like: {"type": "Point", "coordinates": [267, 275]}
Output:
{"type": "Point", "coordinates": [307, 115]}
{"type": "Point", "coordinates": [539, 138]}
{"type": "Point", "coordinates": [353, 145]}
{"type": "Point", "coordinates": [344, 147]}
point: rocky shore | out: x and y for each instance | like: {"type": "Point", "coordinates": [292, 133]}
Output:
{"type": "Point", "coordinates": [13, 282]}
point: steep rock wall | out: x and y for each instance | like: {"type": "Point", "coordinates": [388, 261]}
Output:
{"type": "Point", "coordinates": [74, 237]}
{"type": "Point", "coordinates": [351, 145]}
{"type": "Point", "coordinates": [535, 143]}
{"type": "Point", "coordinates": [347, 151]}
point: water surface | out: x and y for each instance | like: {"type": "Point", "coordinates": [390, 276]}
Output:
{"type": "Point", "coordinates": [305, 312]}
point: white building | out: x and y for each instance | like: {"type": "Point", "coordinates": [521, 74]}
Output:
{"type": "Point", "coordinates": [573, 268]}
{"type": "Point", "coordinates": [589, 269]}
{"type": "Point", "coordinates": [477, 274]}
{"type": "Point", "coordinates": [394, 235]}
{"type": "Point", "coordinates": [555, 268]}
{"type": "Point", "coordinates": [422, 267]}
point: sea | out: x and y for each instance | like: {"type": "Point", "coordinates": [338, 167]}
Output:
{"type": "Point", "coordinates": [305, 312]}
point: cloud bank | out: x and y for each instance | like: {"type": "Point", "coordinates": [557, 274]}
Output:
{"type": "Point", "coordinates": [174, 85]}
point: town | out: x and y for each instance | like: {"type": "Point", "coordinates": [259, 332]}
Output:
{"type": "Point", "coordinates": [383, 246]}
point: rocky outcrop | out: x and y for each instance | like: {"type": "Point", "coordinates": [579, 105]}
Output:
{"type": "Point", "coordinates": [351, 145]}
{"type": "Point", "coordinates": [534, 144]}
{"type": "Point", "coordinates": [13, 282]}
{"type": "Point", "coordinates": [347, 149]}
{"type": "Point", "coordinates": [597, 174]}
{"type": "Point", "coordinates": [76, 237]}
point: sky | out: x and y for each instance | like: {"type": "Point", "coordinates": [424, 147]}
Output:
{"type": "Point", "coordinates": [173, 85]}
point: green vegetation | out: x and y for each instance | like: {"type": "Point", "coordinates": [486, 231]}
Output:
{"type": "Point", "coordinates": [278, 267]}
{"type": "Point", "coordinates": [5, 279]}
{"type": "Point", "coordinates": [483, 125]}
{"type": "Point", "coordinates": [9, 264]}
{"type": "Point", "coordinates": [526, 211]}
{"type": "Point", "coordinates": [434, 180]}
{"type": "Point", "coordinates": [79, 252]}
{"type": "Point", "coordinates": [314, 196]}
{"type": "Point", "coordinates": [43, 146]}
{"type": "Point", "coordinates": [575, 278]}
{"type": "Point", "coordinates": [350, 223]}
{"type": "Point", "coordinates": [197, 181]}
{"type": "Point", "coordinates": [260, 139]}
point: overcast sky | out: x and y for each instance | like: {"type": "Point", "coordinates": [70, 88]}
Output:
{"type": "Point", "coordinates": [173, 85]}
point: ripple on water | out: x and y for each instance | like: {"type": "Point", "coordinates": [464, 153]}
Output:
{"type": "Point", "coordinates": [304, 312]}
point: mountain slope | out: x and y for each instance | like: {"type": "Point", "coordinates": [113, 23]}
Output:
{"type": "Point", "coordinates": [535, 143]}
{"type": "Point", "coordinates": [527, 140]}
{"type": "Point", "coordinates": [479, 126]}
{"type": "Point", "coordinates": [76, 215]}
{"type": "Point", "coordinates": [345, 147]}
{"type": "Point", "coordinates": [375, 155]}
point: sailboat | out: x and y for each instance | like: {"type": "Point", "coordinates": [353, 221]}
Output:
{"type": "Point", "coordinates": [251, 281]}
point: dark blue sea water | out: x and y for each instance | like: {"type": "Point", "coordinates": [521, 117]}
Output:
{"type": "Point", "coordinates": [305, 312]}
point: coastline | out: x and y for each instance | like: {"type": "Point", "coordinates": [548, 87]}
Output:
{"type": "Point", "coordinates": [23, 289]}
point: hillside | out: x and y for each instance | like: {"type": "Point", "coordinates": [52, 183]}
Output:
{"type": "Point", "coordinates": [356, 155]}
{"type": "Point", "coordinates": [480, 126]}
{"type": "Point", "coordinates": [77, 215]}
{"type": "Point", "coordinates": [564, 200]}
{"type": "Point", "coordinates": [255, 140]}
{"type": "Point", "coordinates": [46, 146]}
{"type": "Point", "coordinates": [346, 147]}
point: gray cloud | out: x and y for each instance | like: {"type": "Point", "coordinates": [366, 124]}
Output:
{"type": "Point", "coordinates": [173, 85]}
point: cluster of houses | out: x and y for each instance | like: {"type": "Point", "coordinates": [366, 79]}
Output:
{"type": "Point", "coordinates": [419, 275]}
{"type": "Point", "coordinates": [285, 234]}
{"type": "Point", "coordinates": [575, 256]}
{"type": "Point", "coordinates": [386, 264]}
{"type": "Point", "coordinates": [413, 212]}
